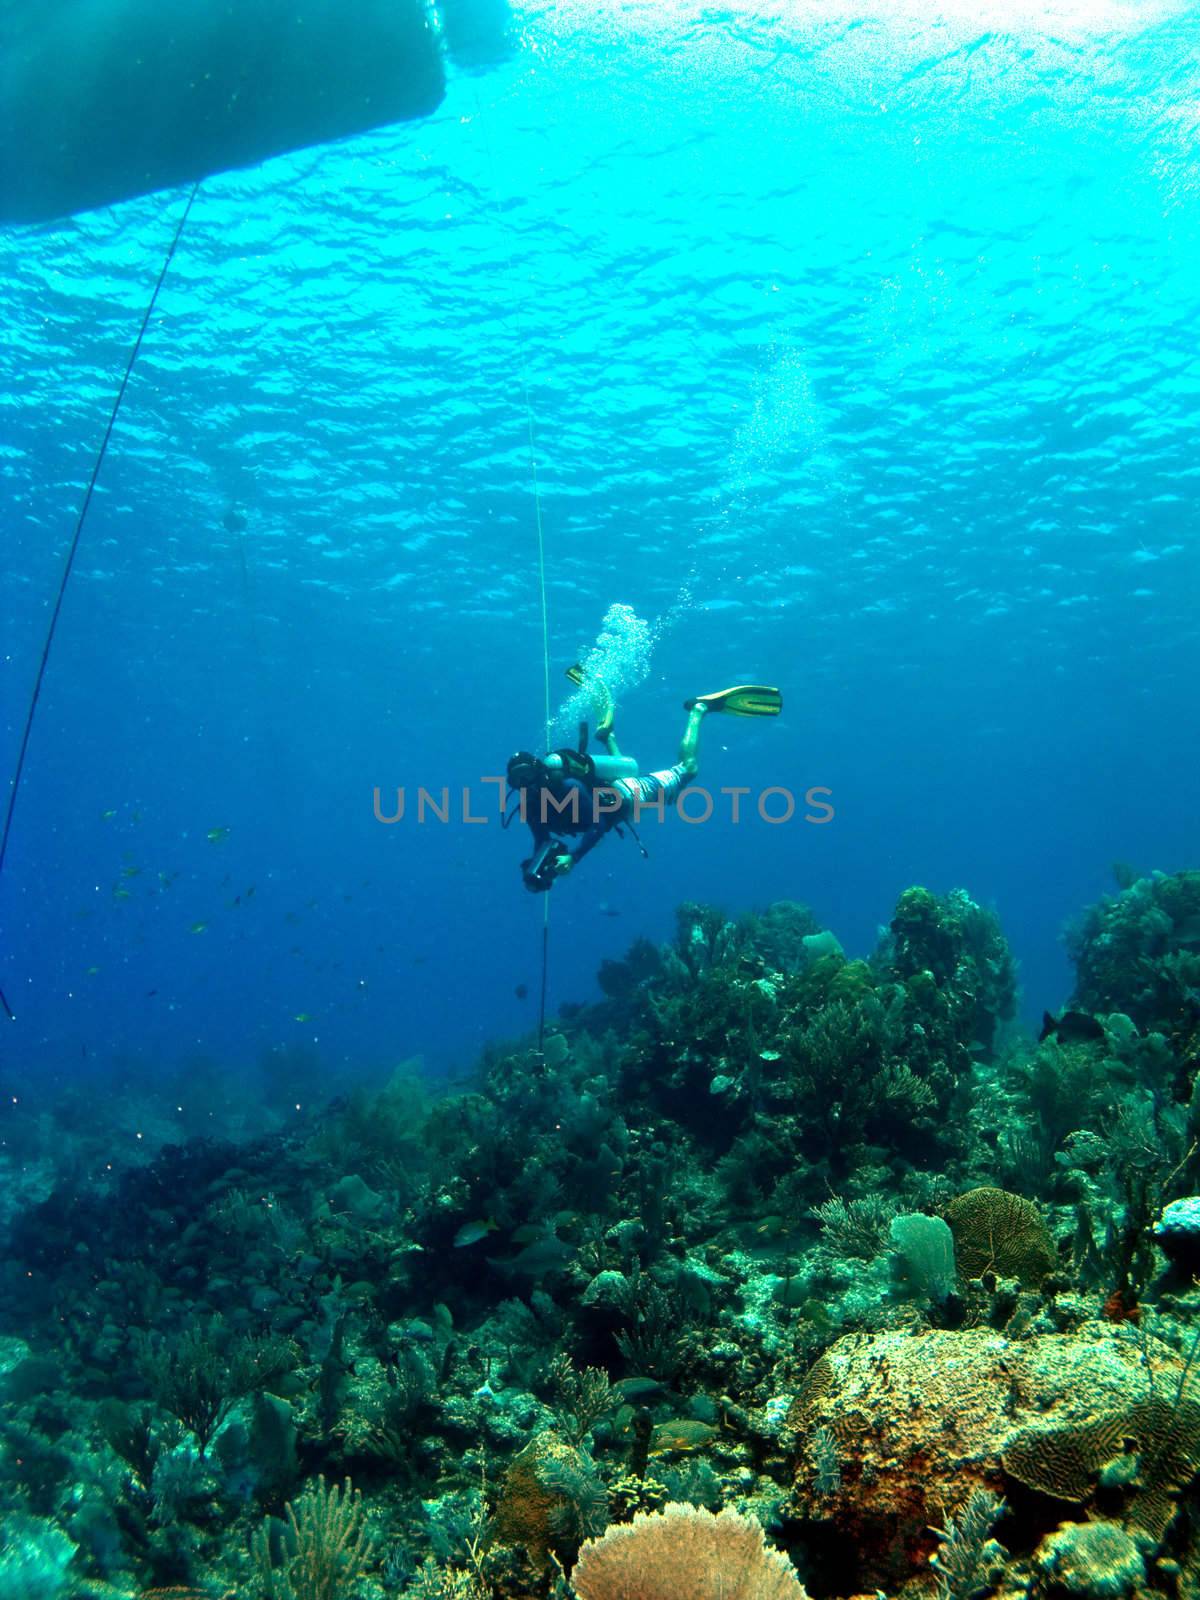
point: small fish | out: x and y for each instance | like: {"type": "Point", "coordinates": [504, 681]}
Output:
{"type": "Point", "coordinates": [303, 1016]}
{"type": "Point", "coordinates": [107, 816]}
{"type": "Point", "coordinates": [605, 910]}
{"type": "Point", "coordinates": [771, 1225]}
{"type": "Point", "coordinates": [528, 1232]}
{"type": "Point", "coordinates": [522, 991]}
{"type": "Point", "coordinates": [233, 520]}
{"type": "Point", "coordinates": [92, 971]}
{"type": "Point", "coordinates": [199, 927]}
{"type": "Point", "coordinates": [122, 894]}
{"type": "Point", "coordinates": [1073, 1027]}
{"type": "Point", "coordinates": [131, 872]}
{"type": "Point", "coordinates": [473, 1232]}
{"type": "Point", "coordinates": [217, 835]}
{"type": "Point", "coordinates": [149, 994]}
{"type": "Point", "coordinates": [249, 892]}
{"type": "Point", "coordinates": [537, 1259]}
{"type": "Point", "coordinates": [637, 1388]}
{"type": "Point", "coordinates": [681, 1437]}
{"type": "Point", "coordinates": [167, 878]}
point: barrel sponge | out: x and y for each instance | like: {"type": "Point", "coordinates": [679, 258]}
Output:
{"type": "Point", "coordinates": [683, 1550]}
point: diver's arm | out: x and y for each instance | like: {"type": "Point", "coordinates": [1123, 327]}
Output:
{"type": "Point", "coordinates": [589, 840]}
{"type": "Point", "coordinates": [531, 867]}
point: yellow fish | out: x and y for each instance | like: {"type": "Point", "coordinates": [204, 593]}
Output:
{"type": "Point", "coordinates": [217, 835]}
{"type": "Point", "coordinates": [682, 1436]}
{"type": "Point", "coordinates": [303, 1016]}
{"type": "Point", "coordinates": [199, 927]}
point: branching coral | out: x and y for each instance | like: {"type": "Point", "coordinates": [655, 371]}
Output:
{"type": "Point", "coordinates": [200, 1375]}
{"type": "Point", "coordinates": [1139, 953]}
{"type": "Point", "coordinates": [324, 1549]}
{"type": "Point", "coordinates": [969, 1558]}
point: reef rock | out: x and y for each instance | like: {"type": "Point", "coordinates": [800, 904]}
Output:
{"type": "Point", "coordinates": [893, 1431]}
{"type": "Point", "coordinates": [1097, 1560]}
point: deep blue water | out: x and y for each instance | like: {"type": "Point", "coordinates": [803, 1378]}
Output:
{"type": "Point", "coordinates": [859, 356]}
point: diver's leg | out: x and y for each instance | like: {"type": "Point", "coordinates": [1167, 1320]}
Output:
{"type": "Point", "coordinates": [688, 759]}
{"type": "Point", "coordinates": [608, 739]}
{"type": "Point", "coordinates": [604, 710]}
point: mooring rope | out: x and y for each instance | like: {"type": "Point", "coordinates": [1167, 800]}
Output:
{"type": "Point", "coordinates": [541, 556]}
{"type": "Point", "coordinates": [541, 565]}
{"type": "Point", "coordinates": [74, 546]}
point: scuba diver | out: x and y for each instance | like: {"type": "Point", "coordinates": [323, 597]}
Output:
{"type": "Point", "coordinates": [572, 794]}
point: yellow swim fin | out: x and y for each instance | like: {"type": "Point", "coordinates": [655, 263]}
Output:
{"type": "Point", "coordinates": [602, 701]}
{"type": "Point", "coordinates": [743, 700]}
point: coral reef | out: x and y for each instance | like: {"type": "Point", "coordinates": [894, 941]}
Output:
{"type": "Point", "coordinates": [921, 1422]}
{"type": "Point", "coordinates": [796, 1267]}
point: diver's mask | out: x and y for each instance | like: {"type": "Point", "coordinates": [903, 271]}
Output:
{"type": "Point", "coordinates": [526, 771]}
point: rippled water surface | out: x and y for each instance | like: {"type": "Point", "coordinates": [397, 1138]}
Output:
{"type": "Point", "coordinates": [857, 349]}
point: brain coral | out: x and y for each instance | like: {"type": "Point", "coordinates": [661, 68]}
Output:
{"type": "Point", "coordinates": [920, 1420]}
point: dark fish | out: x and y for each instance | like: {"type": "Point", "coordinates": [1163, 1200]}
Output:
{"type": "Point", "coordinates": [472, 1232]}
{"type": "Point", "coordinates": [605, 910]}
{"type": "Point", "coordinates": [234, 521]}
{"type": "Point", "coordinates": [1073, 1027]}
{"type": "Point", "coordinates": [544, 1255]}
{"type": "Point", "coordinates": [522, 991]}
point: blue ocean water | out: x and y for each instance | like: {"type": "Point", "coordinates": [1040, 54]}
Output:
{"type": "Point", "coordinates": [853, 350]}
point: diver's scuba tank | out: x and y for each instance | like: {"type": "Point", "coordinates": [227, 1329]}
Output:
{"type": "Point", "coordinates": [603, 770]}
{"type": "Point", "coordinates": [607, 769]}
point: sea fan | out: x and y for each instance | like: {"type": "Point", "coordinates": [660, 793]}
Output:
{"type": "Point", "coordinates": [683, 1550]}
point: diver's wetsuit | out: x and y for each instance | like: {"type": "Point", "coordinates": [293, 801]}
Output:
{"type": "Point", "coordinates": [584, 809]}
{"type": "Point", "coordinates": [586, 812]}
{"type": "Point", "coordinates": [569, 794]}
